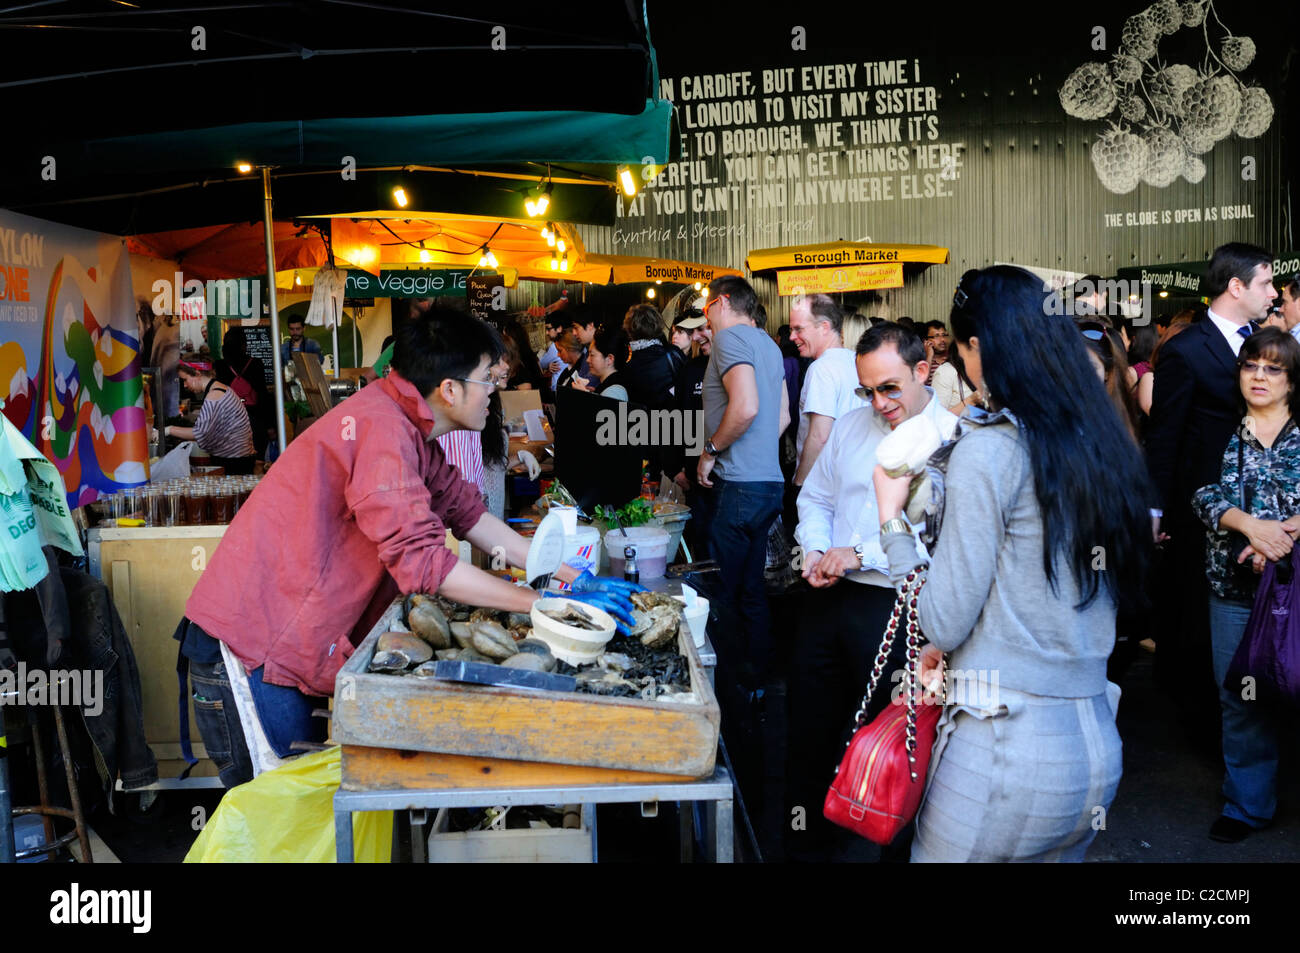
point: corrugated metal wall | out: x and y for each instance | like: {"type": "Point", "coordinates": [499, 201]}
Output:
{"type": "Point", "coordinates": [1027, 193]}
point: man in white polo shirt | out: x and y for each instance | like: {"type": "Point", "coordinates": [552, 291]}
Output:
{"type": "Point", "coordinates": [839, 535]}
{"type": "Point", "coordinates": [815, 323]}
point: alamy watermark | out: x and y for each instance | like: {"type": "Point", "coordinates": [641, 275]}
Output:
{"type": "Point", "coordinates": [1111, 297]}
{"type": "Point", "coordinates": [978, 688]}
{"type": "Point", "coordinates": [632, 427]}
{"type": "Point", "coordinates": [230, 297]}
{"type": "Point", "coordinates": [82, 688]}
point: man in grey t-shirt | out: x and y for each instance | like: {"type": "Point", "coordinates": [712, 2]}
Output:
{"type": "Point", "coordinates": [745, 411]}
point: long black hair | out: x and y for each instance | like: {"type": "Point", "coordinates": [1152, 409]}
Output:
{"type": "Point", "coordinates": [1089, 476]}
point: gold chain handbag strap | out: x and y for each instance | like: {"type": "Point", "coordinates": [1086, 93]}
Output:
{"type": "Point", "coordinates": [904, 612]}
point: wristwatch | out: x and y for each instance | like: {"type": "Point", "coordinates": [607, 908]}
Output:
{"type": "Point", "coordinates": [857, 550]}
{"type": "Point", "coordinates": [896, 525]}
{"type": "Point", "coordinates": [710, 449]}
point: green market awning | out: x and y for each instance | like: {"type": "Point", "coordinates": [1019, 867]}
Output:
{"type": "Point", "coordinates": [479, 163]}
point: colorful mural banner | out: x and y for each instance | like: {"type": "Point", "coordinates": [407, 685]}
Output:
{"type": "Point", "coordinates": [69, 353]}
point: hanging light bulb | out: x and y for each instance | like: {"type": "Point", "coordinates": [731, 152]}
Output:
{"type": "Point", "coordinates": [555, 262]}
{"type": "Point", "coordinates": [399, 196]}
{"type": "Point", "coordinates": [559, 243]}
{"type": "Point", "coordinates": [659, 281]}
{"type": "Point", "coordinates": [483, 258]}
{"type": "Point", "coordinates": [626, 180]}
{"type": "Point", "coordinates": [697, 286]}
{"type": "Point", "coordinates": [491, 258]}
{"type": "Point", "coordinates": [564, 262]}
{"type": "Point", "coordinates": [243, 168]}
{"type": "Point", "coordinates": [537, 205]}
{"type": "Point", "coordinates": [425, 256]}
{"type": "Point", "coordinates": [297, 279]}
{"type": "Point", "coordinates": [649, 292]}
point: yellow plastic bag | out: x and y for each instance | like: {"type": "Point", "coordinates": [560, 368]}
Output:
{"type": "Point", "coordinates": [287, 816]}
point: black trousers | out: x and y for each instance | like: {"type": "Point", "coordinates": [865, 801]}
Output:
{"type": "Point", "coordinates": [1182, 629]}
{"type": "Point", "coordinates": [829, 672]}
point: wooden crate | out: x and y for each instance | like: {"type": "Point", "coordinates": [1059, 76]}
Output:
{"type": "Point", "coordinates": [552, 845]}
{"type": "Point", "coordinates": [424, 733]}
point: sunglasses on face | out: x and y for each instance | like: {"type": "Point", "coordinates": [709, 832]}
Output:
{"type": "Point", "coordinates": [710, 304]}
{"type": "Point", "coordinates": [1253, 367]}
{"type": "Point", "coordinates": [1093, 332]}
{"type": "Point", "coordinates": [888, 391]}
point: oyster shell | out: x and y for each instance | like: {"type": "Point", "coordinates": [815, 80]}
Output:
{"type": "Point", "coordinates": [404, 643]}
{"type": "Point", "coordinates": [492, 640]}
{"type": "Point", "coordinates": [526, 661]}
{"type": "Point", "coordinates": [389, 662]}
{"type": "Point", "coordinates": [427, 620]}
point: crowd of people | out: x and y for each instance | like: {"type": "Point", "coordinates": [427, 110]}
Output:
{"type": "Point", "coordinates": [1106, 482]}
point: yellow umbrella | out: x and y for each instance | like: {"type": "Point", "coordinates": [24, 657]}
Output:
{"type": "Point", "coordinates": [844, 253]}
{"type": "Point", "coordinates": [836, 267]}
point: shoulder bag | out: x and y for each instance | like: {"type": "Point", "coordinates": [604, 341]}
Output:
{"type": "Point", "coordinates": [243, 388]}
{"type": "Point", "coordinates": [878, 786]}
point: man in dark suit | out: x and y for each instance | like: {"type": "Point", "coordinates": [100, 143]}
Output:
{"type": "Point", "coordinates": [1194, 412]}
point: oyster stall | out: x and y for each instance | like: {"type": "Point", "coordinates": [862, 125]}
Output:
{"type": "Point", "coordinates": [422, 731]}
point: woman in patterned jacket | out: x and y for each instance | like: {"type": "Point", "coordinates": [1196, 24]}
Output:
{"type": "Point", "coordinates": [1258, 498]}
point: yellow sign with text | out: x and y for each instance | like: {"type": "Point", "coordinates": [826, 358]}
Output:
{"type": "Point", "coordinates": [798, 281]}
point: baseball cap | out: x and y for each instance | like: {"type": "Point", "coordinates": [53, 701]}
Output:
{"type": "Point", "coordinates": [690, 319]}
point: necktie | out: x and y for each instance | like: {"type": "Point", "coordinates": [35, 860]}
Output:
{"type": "Point", "coordinates": [1246, 330]}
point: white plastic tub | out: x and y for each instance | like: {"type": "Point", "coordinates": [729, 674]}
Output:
{"type": "Point", "coordinates": [651, 545]}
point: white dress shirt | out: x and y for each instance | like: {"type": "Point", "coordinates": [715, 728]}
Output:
{"type": "Point", "coordinates": [837, 506]}
{"type": "Point", "coordinates": [1230, 331]}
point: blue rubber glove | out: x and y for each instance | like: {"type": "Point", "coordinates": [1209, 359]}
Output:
{"type": "Point", "coordinates": [586, 582]}
{"type": "Point", "coordinates": [618, 607]}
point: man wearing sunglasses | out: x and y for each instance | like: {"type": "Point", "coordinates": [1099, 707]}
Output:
{"type": "Point", "coordinates": [745, 411]}
{"type": "Point", "coordinates": [839, 535]}
{"type": "Point", "coordinates": [354, 512]}
{"type": "Point", "coordinates": [1193, 414]}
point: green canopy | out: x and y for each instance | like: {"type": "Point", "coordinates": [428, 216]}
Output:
{"type": "Point", "coordinates": [477, 163]}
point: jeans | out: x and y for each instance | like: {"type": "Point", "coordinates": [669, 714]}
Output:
{"type": "Point", "coordinates": [285, 714]}
{"type": "Point", "coordinates": [218, 722]}
{"type": "Point", "coordinates": [742, 513]}
{"type": "Point", "coordinates": [1250, 745]}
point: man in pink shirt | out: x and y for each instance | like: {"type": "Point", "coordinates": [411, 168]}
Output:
{"type": "Point", "coordinates": [354, 513]}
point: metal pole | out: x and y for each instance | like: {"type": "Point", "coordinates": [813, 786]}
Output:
{"type": "Point", "coordinates": [335, 330]}
{"type": "Point", "coordinates": [356, 354]}
{"type": "Point", "coordinates": [275, 310]}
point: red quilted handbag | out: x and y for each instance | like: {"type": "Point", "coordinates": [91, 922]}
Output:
{"type": "Point", "coordinates": [878, 787]}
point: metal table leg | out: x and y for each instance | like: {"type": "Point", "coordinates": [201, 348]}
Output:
{"type": "Point", "coordinates": [724, 832]}
{"type": "Point", "coordinates": [342, 831]}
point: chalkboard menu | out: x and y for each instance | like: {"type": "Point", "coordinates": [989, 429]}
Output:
{"type": "Point", "coordinates": [480, 293]}
{"type": "Point", "coordinates": [258, 340]}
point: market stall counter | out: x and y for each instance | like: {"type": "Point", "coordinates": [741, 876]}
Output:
{"type": "Point", "coordinates": [413, 743]}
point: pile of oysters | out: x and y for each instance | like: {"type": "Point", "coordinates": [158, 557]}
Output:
{"type": "Point", "coordinates": [645, 664]}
